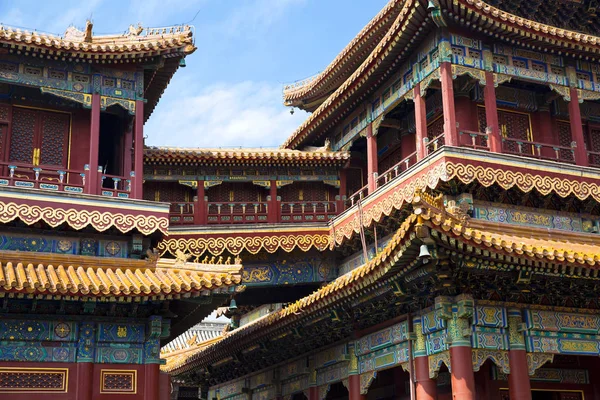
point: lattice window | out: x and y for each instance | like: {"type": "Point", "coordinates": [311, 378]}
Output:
{"type": "Point", "coordinates": [474, 54]}
{"type": "Point", "coordinates": [54, 74]}
{"type": "Point", "coordinates": [128, 85]}
{"type": "Point", "coordinates": [23, 133]}
{"type": "Point", "coordinates": [109, 82]}
{"type": "Point", "coordinates": [583, 76]}
{"type": "Point", "coordinates": [3, 113]}
{"type": "Point", "coordinates": [425, 63]}
{"type": "Point", "coordinates": [81, 78]}
{"type": "Point", "coordinates": [386, 95]}
{"type": "Point", "coordinates": [32, 71]}
{"type": "Point", "coordinates": [118, 381]}
{"type": "Point", "coordinates": [519, 63]}
{"type": "Point", "coordinates": [436, 128]}
{"type": "Point", "coordinates": [458, 51]}
{"type": "Point", "coordinates": [565, 139]}
{"type": "Point", "coordinates": [408, 77]}
{"type": "Point", "coordinates": [396, 87]}
{"type": "Point", "coordinates": [435, 55]}
{"type": "Point", "coordinates": [9, 67]}
{"type": "Point", "coordinates": [500, 59]}
{"type": "Point", "coordinates": [33, 380]}
{"type": "Point", "coordinates": [557, 70]}
{"type": "Point", "coordinates": [538, 67]}
{"type": "Point", "coordinates": [55, 128]}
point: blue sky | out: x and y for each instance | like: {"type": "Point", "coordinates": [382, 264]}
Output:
{"type": "Point", "coordinates": [230, 92]}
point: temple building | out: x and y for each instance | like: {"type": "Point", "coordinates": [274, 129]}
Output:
{"type": "Point", "coordinates": [86, 301]}
{"type": "Point", "coordinates": [431, 231]}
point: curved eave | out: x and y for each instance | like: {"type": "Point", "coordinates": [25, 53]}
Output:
{"type": "Point", "coordinates": [403, 35]}
{"type": "Point", "coordinates": [307, 93]}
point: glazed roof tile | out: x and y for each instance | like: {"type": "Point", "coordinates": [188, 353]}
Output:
{"type": "Point", "coordinates": [180, 154]}
{"type": "Point", "coordinates": [52, 274]}
{"type": "Point", "coordinates": [136, 40]}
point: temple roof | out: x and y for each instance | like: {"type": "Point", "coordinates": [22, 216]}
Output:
{"type": "Point", "coordinates": [226, 156]}
{"type": "Point", "coordinates": [55, 274]}
{"type": "Point", "coordinates": [309, 93]}
{"type": "Point", "coordinates": [136, 42]}
{"type": "Point", "coordinates": [578, 254]}
{"type": "Point", "coordinates": [410, 26]}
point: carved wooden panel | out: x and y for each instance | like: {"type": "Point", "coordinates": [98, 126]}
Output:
{"type": "Point", "coordinates": [33, 380]}
{"type": "Point", "coordinates": [53, 140]}
{"type": "Point", "coordinates": [118, 381]}
{"type": "Point", "coordinates": [23, 135]}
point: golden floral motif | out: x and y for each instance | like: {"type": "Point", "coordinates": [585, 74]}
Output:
{"type": "Point", "coordinates": [79, 219]}
{"type": "Point", "coordinates": [252, 244]}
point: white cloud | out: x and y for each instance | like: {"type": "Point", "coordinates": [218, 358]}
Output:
{"type": "Point", "coordinates": [248, 114]}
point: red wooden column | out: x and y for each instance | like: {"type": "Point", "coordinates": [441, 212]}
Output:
{"type": "Point", "coordinates": [420, 122]}
{"type": "Point", "coordinates": [461, 358]}
{"type": "Point", "coordinates": [354, 388]}
{"type": "Point", "coordinates": [138, 153]}
{"type": "Point", "coordinates": [274, 209]}
{"type": "Point", "coordinates": [201, 211]}
{"type": "Point", "coordinates": [165, 386]}
{"type": "Point", "coordinates": [342, 192]}
{"type": "Point", "coordinates": [128, 151]}
{"type": "Point", "coordinates": [426, 388]}
{"type": "Point", "coordinates": [151, 381]}
{"type": "Point", "coordinates": [371, 159]}
{"type": "Point", "coordinates": [85, 377]}
{"type": "Point", "coordinates": [313, 393]}
{"type": "Point", "coordinates": [491, 114]}
{"type": "Point", "coordinates": [519, 385]}
{"type": "Point", "coordinates": [92, 184]}
{"type": "Point", "coordinates": [450, 131]}
{"type": "Point", "coordinates": [581, 157]}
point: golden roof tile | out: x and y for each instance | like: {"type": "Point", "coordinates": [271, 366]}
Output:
{"type": "Point", "coordinates": [97, 276]}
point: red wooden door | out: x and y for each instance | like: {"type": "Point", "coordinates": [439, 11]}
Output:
{"type": "Point", "coordinates": [39, 138]}
{"type": "Point", "coordinates": [516, 126]}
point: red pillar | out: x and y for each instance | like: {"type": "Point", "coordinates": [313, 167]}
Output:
{"type": "Point", "coordinates": [426, 387]}
{"type": "Point", "coordinates": [151, 381]}
{"type": "Point", "coordinates": [371, 159]}
{"type": "Point", "coordinates": [85, 376]}
{"type": "Point", "coordinates": [92, 184]}
{"type": "Point", "coordinates": [581, 157]}
{"type": "Point", "coordinates": [342, 193]}
{"type": "Point", "coordinates": [420, 122]}
{"type": "Point", "coordinates": [313, 393]}
{"type": "Point", "coordinates": [491, 114]}
{"type": "Point", "coordinates": [462, 376]}
{"type": "Point", "coordinates": [274, 209]}
{"type": "Point", "coordinates": [138, 154]}
{"type": "Point", "coordinates": [127, 152]}
{"type": "Point", "coordinates": [165, 387]}
{"type": "Point", "coordinates": [200, 212]}
{"type": "Point", "coordinates": [354, 388]}
{"type": "Point", "coordinates": [519, 385]}
{"type": "Point", "coordinates": [450, 131]}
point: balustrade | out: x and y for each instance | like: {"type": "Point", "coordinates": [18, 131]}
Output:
{"type": "Point", "coordinates": [358, 195]}
{"type": "Point", "coordinates": [542, 151]}
{"type": "Point", "coordinates": [478, 140]}
{"type": "Point", "coordinates": [47, 178]}
{"type": "Point", "coordinates": [307, 211]}
{"type": "Point", "coordinates": [237, 212]}
{"type": "Point", "coordinates": [182, 213]}
{"type": "Point", "coordinates": [392, 173]}
{"type": "Point", "coordinates": [115, 186]}
{"type": "Point", "coordinates": [432, 145]}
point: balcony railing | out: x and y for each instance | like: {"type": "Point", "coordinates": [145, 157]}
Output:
{"type": "Point", "coordinates": [115, 186]}
{"type": "Point", "coordinates": [478, 140]}
{"type": "Point", "coordinates": [432, 145]}
{"type": "Point", "coordinates": [307, 211]}
{"type": "Point", "coordinates": [389, 175]}
{"type": "Point", "coordinates": [47, 178]}
{"type": "Point", "coordinates": [358, 195]}
{"type": "Point", "coordinates": [594, 158]}
{"type": "Point", "coordinates": [237, 212]}
{"type": "Point", "coordinates": [542, 151]}
{"type": "Point", "coordinates": [182, 213]}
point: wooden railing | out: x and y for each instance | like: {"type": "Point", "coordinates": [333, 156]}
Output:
{"type": "Point", "coordinates": [182, 213]}
{"type": "Point", "coordinates": [307, 211]}
{"type": "Point", "coordinates": [358, 195]}
{"type": "Point", "coordinates": [237, 212]}
{"type": "Point", "coordinates": [115, 186]}
{"type": "Point", "coordinates": [392, 173]}
{"type": "Point", "coordinates": [46, 178]}
{"type": "Point", "coordinates": [594, 158]}
{"type": "Point", "coordinates": [478, 140]}
{"type": "Point", "coordinates": [542, 151]}
{"type": "Point", "coordinates": [432, 145]}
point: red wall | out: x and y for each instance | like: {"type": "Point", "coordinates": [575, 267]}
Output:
{"type": "Point", "coordinates": [84, 382]}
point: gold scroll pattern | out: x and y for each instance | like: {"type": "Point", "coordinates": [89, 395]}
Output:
{"type": "Point", "coordinates": [251, 244]}
{"type": "Point", "coordinates": [401, 193]}
{"type": "Point", "coordinates": [79, 219]}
